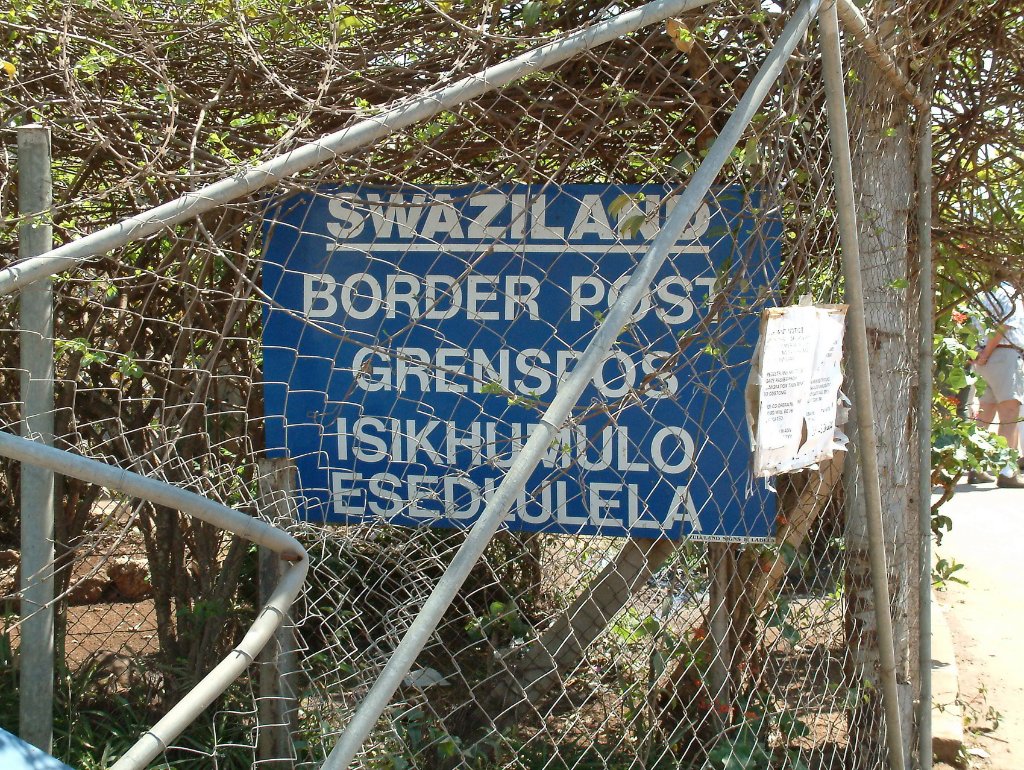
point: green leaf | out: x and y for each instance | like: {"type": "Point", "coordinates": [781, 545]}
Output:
{"type": "Point", "coordinates": [750, 152]}
{"type": "Point", "coordinates": [789, 554]}
{"type": "Point", "coordinates": [777, 616]}
{"type": "Point", "coordinates": [531, 12]}
{"type": "Point", "coordinates": [681, 161]}
{"type": "Point", "coordinates": [792, 727]}
{"type": "Point", "coordinates": [631, 225]}
{"type": "Point", "coordinates": [795, 763]}
{"type": "Point", "coordinates": [651, 626]}
{"type": "Point", "coordinates": [957, 379]}
{"type": "Point", "coordinates": [790, 634]}
{"type": "Point", "coordinates": [618, 204]}
{"type": "Point", "coordinates": [659, 663]}
{"type": "Point", "coordinates": [899, 283]}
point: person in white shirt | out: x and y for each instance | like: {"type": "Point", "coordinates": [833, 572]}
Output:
{"type": "Point", "coordinates": [1001, 364]}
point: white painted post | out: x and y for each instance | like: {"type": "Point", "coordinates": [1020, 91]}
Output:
{"type": "Point", "coordinates": [35, 197]}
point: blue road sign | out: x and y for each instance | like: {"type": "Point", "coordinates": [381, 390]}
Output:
{"type": "Point", "coordinates": [15, 754]}
{"type": "Point", "coordinates": [414, 336]}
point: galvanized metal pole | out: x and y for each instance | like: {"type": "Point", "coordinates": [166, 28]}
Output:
{"type": "Point", "coordinates": [277, 705]}
{"type": "Point", "coordinates": [839, 141]}
{"type": "Point", "coordinates": [619, 315]}
{"type": "Point", "coordinates": [35, 236]}
{"type": "Point", "coordinates": [924, 430]}
{"type": "Point", "coordinates": [329, 148]}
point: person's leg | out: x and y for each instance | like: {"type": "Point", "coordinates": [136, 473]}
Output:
{"type": "Point", "coordinates": [986, 413]}
{"type": "Point", "coordinates": [1020, 439]}
{"type": "Point", "coordinates": [1009, 414]}
{"type": "Point", "coordinates": [985, 416]}
{"type": "Point", "coordinates": [996, 376]}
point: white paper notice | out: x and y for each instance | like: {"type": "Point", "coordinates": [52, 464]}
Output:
{"type": "Point", "coordinates": [786, 368]}
{"type": "Point", "coordinates": [794, 390]}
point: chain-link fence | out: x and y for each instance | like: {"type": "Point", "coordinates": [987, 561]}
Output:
{"type": "Point", "coordinates": [364, 352]}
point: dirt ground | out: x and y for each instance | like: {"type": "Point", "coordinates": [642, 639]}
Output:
{"type": "Point", "coordinates": [121, 627]}
{"type": "Point", "coordinates": [986, 619]}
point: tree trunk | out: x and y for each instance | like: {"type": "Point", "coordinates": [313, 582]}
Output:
{"type": "Point", "coordinates": [534, 672]}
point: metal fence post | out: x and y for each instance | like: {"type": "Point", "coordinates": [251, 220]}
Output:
{"type": "Point", "coordinates": [722, 566]}
{"type": "Point", "coordinates": [277, 705]}
{"type": "Point", "coordinates": [924, 428]}
{"type": "Point", "coordinates": [35, 197]}
{"type": "Point", "coordinates": [839, 141]}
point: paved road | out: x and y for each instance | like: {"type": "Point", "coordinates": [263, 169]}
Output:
{"type": "Point", "coordinates": [986, 617]}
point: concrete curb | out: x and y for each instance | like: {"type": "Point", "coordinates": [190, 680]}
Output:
{"type": "Point", "coordinates": [947, 715]}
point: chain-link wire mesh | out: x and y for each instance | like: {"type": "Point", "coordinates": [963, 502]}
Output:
{"type": "Point", "coordinates": [358, 353]}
